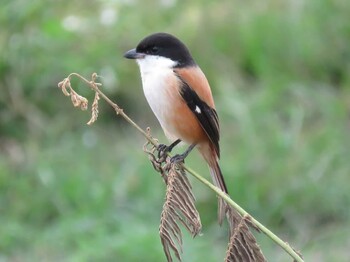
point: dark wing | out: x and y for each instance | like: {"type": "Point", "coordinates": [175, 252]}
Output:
{"type": "Point", "coordinates": [206, 115]}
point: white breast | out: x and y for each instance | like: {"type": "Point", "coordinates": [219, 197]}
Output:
{"type": "Point", "coordinates": [155, 72]}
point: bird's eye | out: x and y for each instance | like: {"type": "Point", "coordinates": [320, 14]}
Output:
{"type": "Point", "coordinates": [154, 49]}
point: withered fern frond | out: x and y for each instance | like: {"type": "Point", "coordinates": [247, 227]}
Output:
{"type": "Point", "coordinates": [178, 208]}
{"type": "Point", "coordinates": [242, 246]}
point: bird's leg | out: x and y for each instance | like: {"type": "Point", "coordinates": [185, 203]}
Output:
{"type": "Point", "coordinates": [181, 157]}
{"type": "Point", "coordinates": [164, 149]}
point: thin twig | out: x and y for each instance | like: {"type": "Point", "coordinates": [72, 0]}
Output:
{"type": "Point", "coordinates": [266, 231]}
{"type": "Point", "coordinates": [118, 110]}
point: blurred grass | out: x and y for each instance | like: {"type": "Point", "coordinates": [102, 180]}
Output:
{"type": "Point", "coordinates": [280, 77]}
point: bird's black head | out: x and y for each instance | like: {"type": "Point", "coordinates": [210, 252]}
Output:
{"type": "Point", "coordinates": [165, 45]}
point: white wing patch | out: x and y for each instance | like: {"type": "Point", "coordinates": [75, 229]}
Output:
{"type": "Point", "coordinates": [198, 110]}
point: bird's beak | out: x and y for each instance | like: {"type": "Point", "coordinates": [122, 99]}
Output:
{"type": "Point", "coordinates": [132, 54]}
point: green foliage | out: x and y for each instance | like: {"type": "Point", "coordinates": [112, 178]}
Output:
{"type": "Point", "coordinates": [280, 76]}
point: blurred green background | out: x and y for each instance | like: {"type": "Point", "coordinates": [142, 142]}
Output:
{"type": "Point", "coordinates": [280, 74]}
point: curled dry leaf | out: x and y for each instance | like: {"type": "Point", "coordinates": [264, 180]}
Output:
{"type": "Point", "coordinates": [78, 100]}
{"type": "Point", "coordinates": [84, 104]}
{"type": "Point", "coordinates": [63, 85]}
{"type": "Point", "coordinates": [94, 109]}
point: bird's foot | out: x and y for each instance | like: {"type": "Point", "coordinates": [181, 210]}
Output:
{"type": "Point", "coordinates": [163, 150]}
{"type": "Point", "coordinates": [177, 159]}
{"type": "Point", "coordinates": [181, 158]}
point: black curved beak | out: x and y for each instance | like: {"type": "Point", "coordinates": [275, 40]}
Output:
{"type": "Point", "coordinates": [132, 54]}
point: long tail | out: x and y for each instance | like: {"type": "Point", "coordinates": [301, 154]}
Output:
{"type": "Point", "coordinates": [211, 158]}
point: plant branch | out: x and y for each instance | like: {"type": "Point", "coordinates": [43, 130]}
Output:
{"type": "Point", "coordinates": [244, 213]}
{"type": "Point", "coordinates": [228, 200]}
{"type": "Point", "coordinates": [118, 109]}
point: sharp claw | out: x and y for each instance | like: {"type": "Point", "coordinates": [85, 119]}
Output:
{"type": "Point", "coordinates": [177, 159]}
{"type": "Point", "coordinates": [162, 150]}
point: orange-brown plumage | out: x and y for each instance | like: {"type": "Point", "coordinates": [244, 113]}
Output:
{"type": "Point", "coordinates": [180, 117]}
{"type": "Point", "coordinates": [180, 97]}
{"type": "Point", "coordinates": [196, 79]}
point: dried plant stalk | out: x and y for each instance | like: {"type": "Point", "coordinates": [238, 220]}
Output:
{"type": "Point", "coordinates": [242, 246]}
{"type": "Point", "coordinates": [80, 101]}
{"type": "Point", "coordinates": [241, 240]}
{"type": "Point", "coordinates": [178, 208]}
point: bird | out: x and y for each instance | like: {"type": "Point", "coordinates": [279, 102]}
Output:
{"type": "Point", "coordinates": [180, 97]}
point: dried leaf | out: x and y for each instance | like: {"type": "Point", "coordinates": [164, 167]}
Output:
{"type": "Point", "coordinates": [242, 246]}
{"type": "Point", "coordinates": [178, 207]}
{"type": "Point", "coordinates": [78, 100]}
{"type": "Point", "coordinates": [75, 98]}
{"type": "Point", "coordinates": [63, 85]}
{"type": "Point", "coordinates": [94, 109]}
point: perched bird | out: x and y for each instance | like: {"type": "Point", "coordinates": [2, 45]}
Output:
{"type": "Point", "coordinates": [180, 97]}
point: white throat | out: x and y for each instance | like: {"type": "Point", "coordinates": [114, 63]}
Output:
{"type": "Point", "coordinates": [156, 72]}
{"type": "Point", "coordinates": [152, 63]}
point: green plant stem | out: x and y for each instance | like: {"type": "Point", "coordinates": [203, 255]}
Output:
{"type": "Point", "coordinates": [220, 193]}
{"type": "Point", "coordinates": [240, 210]}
